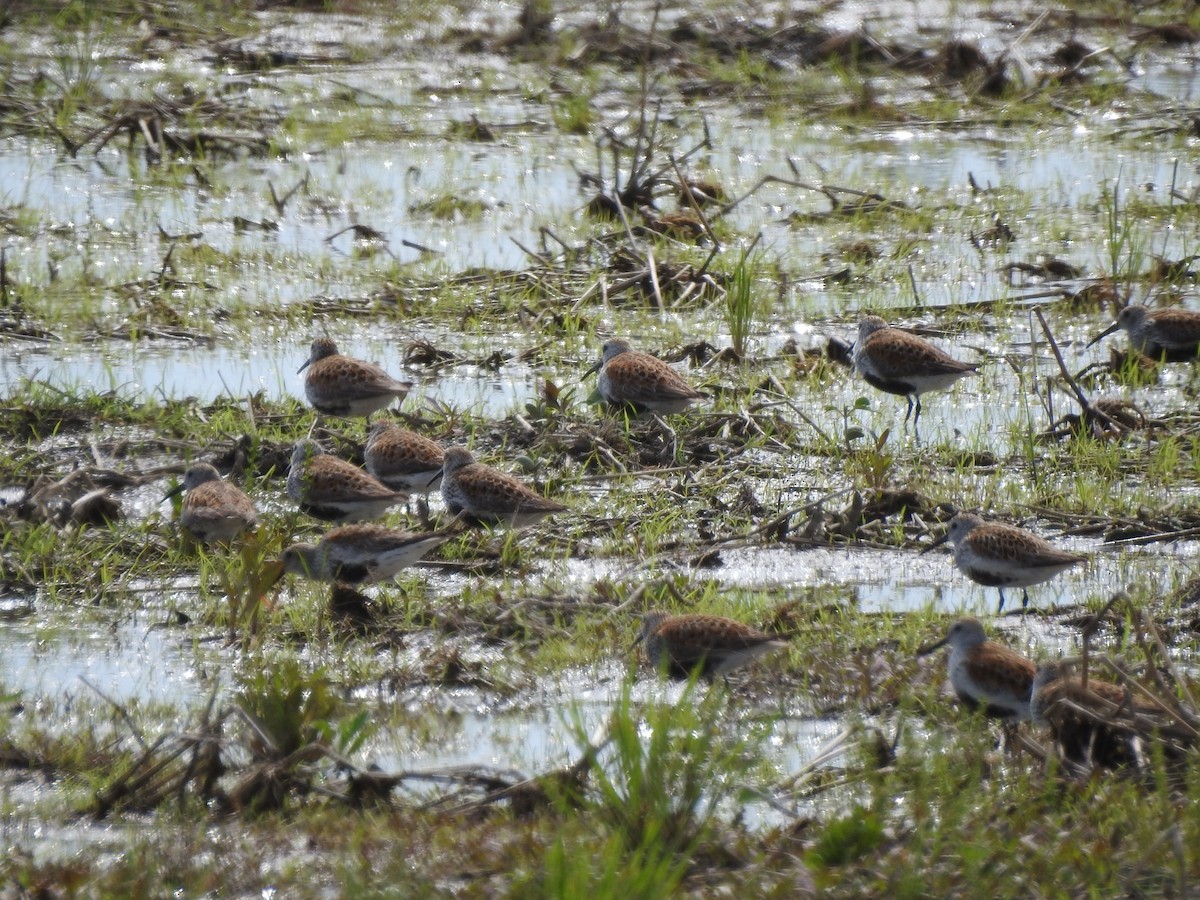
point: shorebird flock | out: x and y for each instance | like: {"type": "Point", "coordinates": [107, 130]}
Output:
{"type": "Point", "coordinates": [1094, 724]}
{"type": "Point", "coordinates": [400, 463]}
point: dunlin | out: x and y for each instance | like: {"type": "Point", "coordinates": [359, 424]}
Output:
{"type": "Point", "coordinates": [997, 555]}
{"type": "Point", "coordinates": [714, 644]}
{"type": "Point", "coordinates": [632, 378]}
{"type": "Point", "coordinates": [214, 509]}
{"type": "Point", "coordinates": [1170, 334]}
{"type": "Point", "coordinates": [1101, 724]}
{"type": "Point", "coordinates": [403, 459]}
{"type": "Point", "coordinates": [333, 490]}
{"type": "Point", "coordinates": [984, 673]}
{"type": "Point", "coordinates": [489, 496]}
{"type": "Point", "coordinates": [359, 554]}
{"type": "Point", "coordinates": [339, 385]}
{"type": "Point", "coordinates": [897, 362]}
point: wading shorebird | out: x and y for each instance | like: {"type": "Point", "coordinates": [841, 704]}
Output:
{"type": "Point", "coordinates": [479, 493]}
{"type": "Point", "coordinates": [897, 362]}
{"type": "Point", "coordinates": [339, 385]}
{"type": "Point", "coordinates": [333, 490]}
{"type": "Point", "coordinates": [358, 554]}
{"type": "Point", "coordinates": [1166, 334]}
{"type": "Point", "coordinates": [403, 459]}
{"type": "Point", "coordinates": [213, 509]}
{"type": "Point", "coordinates": [630, 377]}
{"type": "Point", "coordinates": [1102, 724]}
{"type": "Point", "coordinates": [714, 644]}
{"type": "Point", "coordinates": [997, 555]}
{"type": "Point", "coordinates": [985, 674]}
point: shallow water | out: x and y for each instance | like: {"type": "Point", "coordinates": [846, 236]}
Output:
{"type": "Point", "coordinates": [124, 660]}
{"type": "Point", "coordinates": [101, 213]}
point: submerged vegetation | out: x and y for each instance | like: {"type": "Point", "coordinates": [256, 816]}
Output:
{"type": "Point", "coordinates": [481, 199]}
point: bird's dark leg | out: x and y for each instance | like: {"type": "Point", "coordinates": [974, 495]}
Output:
{"type": "Point", "coordinates": [1000, 608]}
{"type": "Point", "coordinates": [908, 413]}
{"type": "Point", "coordinates": [1024, 598]}
{"type": "Point", "coordinates": [917, 416]}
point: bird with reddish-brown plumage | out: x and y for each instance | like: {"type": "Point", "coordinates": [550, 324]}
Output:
{"type": "Point", "coordinates": [714, 644]}
{"type": "Point", "coordinates": [338, 385]}
{"type": "Point", "coordinates": [897, 362]}
{"type": "Point", "coordinates": [639, 380]}
{"type": "Point", "coordinates": [986, 674]}
{"type": "Point", "coordinates": [486, 495]}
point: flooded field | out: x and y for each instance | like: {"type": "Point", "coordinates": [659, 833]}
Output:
{"type": "Point", "coordinates": [478, 199]}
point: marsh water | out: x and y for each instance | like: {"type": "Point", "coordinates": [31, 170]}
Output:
{"type": "Point", "coordinates": [107, 218]}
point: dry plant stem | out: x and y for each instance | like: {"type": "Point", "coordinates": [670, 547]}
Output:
{"type": "Point", "coordinates": [197, 745]}
{"type": "Point", "coordinates": [1180, 859]}
{"type": "Point", "coordinates": [1035, 346]}
{"type": "Point", "coordinates": [636, 473]}
{"type": "Point", "coordinates": [1038, 751]}
{"type": "Point", "coordinates": [786, 401]}
{"type": "Point", "coordinates": [546, 232]}
{"type": "Point", "coordinates": [658, 297]}
{"type": "Point", "coordinates": [1149, 625]}
{"type": "Point", "coordinates": [1172, 834]}
{"type": "Point", "coordinates": [1155, 699]}
{"type": "Point", "coordinates": [133, 729]}
{"type": "Point", "coordinates": [765, 180]}
{"type": "Point", "coordinates": [696, 207]}
{"type": "Point", "coordinates": [619, 611]}
{"type": "Point", "coordinates": [257, 728]}
{"type": "Point", "coordinates": [536, 257]}
{"type": "Point", "coordinates": [712, 254]}
{"type": "Point", "coordinates": [420, 248]}
{"type": "Point", "coordinates": [126, 785]}
{"type": "Point", "coordinates": [633, 243]}
{"type": "Point", "coordinates": [162, 272]}
{"type": "Point", "coordinates": [587, 758]}
{"type": "Point", "coordinates": [752, 426]}
{"type": "Point", "coordinates": [796, 789]}
{"type": "Point", "coordinates": [781, 520]}
{"type": "Point", "coordinates": [280, 202]}
{"type": "Point", "coordinates": [1030, 746]}
{"type": "Point", "coordinates": [1087, 407]}
{"type": "Point", "coordinates": [750, 791]}
{"type": "Point", "coordinates": [1155, 538]}
{"type": "Point", "coordinates": [636, 169]}
{"type": "Point", "coordinates": [912, 280]}
{"type": "Point", "coordinates": [1140, 623]}
{"type": "Point", "coordinates": [1090, 628]}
